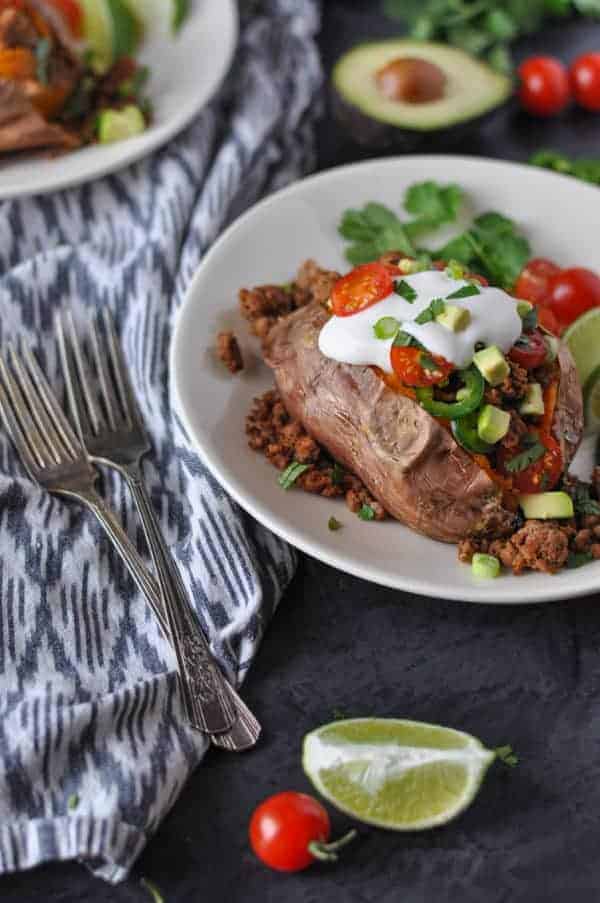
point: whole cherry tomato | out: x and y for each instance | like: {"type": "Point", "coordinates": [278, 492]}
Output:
{"type": "Point", "coordinates": [290, 830]}
{"type": "Point", "coordinates": [533, 283]}
{"type": "Point", "coordinates": [585, 80]}
{"type": "Point", "coordinates": [360, 288]}
{"type": "Point", "coordinates": [572, 292]}
{"type": "Point", "coordinates": [72, 13]}
{"type": "Point", "coordinates": [530, 350]}
{"type": "Point", "coordinates": [542, 475]}
{"type": "Point", "coordinates": [408, 364]}
{"type": "Point", "coordinates": [545, 88]}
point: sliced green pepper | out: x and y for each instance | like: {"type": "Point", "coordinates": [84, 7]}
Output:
{"type": "Point", "coordinates": [470, 401]}
{"type": "Point", "coordinates": [464, 431]}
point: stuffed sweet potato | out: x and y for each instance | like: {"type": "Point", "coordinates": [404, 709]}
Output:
{"type": "Point", "coordinates": [410, 460]}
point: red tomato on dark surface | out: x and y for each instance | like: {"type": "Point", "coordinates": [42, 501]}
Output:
{"type": "Point", "coordinates": [585, 80]}
{"type": "Point", "coordinates": [282, 828]}
{"type": "Point", "coordinates": [408, 367]}
{"type": "Point", "coordinates": [572, 292]}
{"type": "Point", "coordinates": [545, 88]}
{"type": "Point", "coordinates": [542, 475]}
{"type": "Point", "coordinates": [533, 283]}
{"type": "Point", "coordinates": [360, 288]}
{"type": "Point", "coordinates": [71, 12]}
{"type": "Point", "coordinates": [530, 351]}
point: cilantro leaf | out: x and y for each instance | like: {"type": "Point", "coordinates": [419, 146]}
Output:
{"type": "Point", "coordinates": [366, 513]}
{"type": "Point", "coordinates": [432, 204]}
{"type": "Point", "coordinates": [586, 169]}
{"type": "Point", "coordinates": [525, 458]}
{"type": "Point", "coordinates": [373, 230]}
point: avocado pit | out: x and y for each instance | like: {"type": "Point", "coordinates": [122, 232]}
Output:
{"type": "Point", "coordinates": [411, 80]}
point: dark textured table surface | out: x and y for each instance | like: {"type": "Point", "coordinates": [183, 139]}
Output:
{"type": "Point", "coordinates": [525, 675]}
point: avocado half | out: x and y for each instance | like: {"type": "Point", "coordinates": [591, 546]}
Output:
{"type": "Point", "coordinates": [471, 90]}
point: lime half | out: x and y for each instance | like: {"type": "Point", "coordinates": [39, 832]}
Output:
{"type": "Point", "coordinates": [591, 402]}
{"type": "Point", "coordinates": [402, 775]}
{"type": "Point", "coordinates": [583, 339]}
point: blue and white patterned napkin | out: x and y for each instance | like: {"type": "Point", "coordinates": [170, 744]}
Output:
{"type": "Point", "coordinates": [94, 748]}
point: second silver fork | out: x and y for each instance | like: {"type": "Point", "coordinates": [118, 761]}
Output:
{"type": "Point", "coordinates": [111, 428]}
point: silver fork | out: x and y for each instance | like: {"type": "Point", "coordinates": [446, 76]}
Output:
{"type": "Point", "coordinates": [111, 429]}
{"type": "Point", "coordinates": [54, 457]}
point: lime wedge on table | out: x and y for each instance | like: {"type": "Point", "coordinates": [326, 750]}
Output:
{"type": "Point", "coordinates": [403, 775]}
{"type": "Point", "coordinates": [583, 339]}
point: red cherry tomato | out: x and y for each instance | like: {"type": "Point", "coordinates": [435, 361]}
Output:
{"type": "Point", "coordinates": [545, 88]}
{"type": "Point", "coordinates": [360, 288]}
{"type": "Point", "coordinates": [540, 476]}
{"type": "Point", "coordinates": [585, 80]}
{"type": "Point", "coordinates": [72, 13]}
{"type": "Point", "coordinates": [533, 283]}
{"type": "Point", "coordinates": [549, 322]}
{"type": "Point", "coordinates": [407, 364]}
{"type": "Point", "coordinates": [572, 292]}
{"type": "Point", "coordinates": [530, 351]}
{"type": "Point", "coordinates": [282, 828]}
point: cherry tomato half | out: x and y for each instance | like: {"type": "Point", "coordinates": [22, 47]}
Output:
{"type": "Point", "coordinates": [360, 288]}
{"type": "Point", "coordinates": [572, 292]}
{"type": "Point", "coordinates": [72, 13]}
{"type": "Point", "coordinates": [585, 80]}
{"type": "Point", "coordinates": [548, 321]}
{"type": "Point", "coordinates": [282, 828]}
{"type": "Point", "coordinates": [407, 364]}
{"type": "Point", "coordinates": [530, 351]}
{"type": "Point", "coordinates": [540, 476]}
{"type": "Point", "coordinates": [545, 88]}
{"type": "Point", "coordinates": [533, 283]}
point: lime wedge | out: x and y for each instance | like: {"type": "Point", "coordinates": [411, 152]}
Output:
{"type": "Point", "coordinates": [126, 29]}
{"type": "Point", "coordinates": [98, 33]}
{"type": "Point", "coordinates": [591, 402]}
{"type": "Point", "coordinates": [583, 339]}
{"type": "Point", "coordinates": [402, 775]}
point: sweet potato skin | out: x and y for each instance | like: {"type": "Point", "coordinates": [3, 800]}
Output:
{"type": "Point", "coordinates": [407, 460]}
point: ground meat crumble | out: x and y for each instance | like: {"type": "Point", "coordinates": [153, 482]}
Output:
{"type": "Point", "coordinates": [229, 352]}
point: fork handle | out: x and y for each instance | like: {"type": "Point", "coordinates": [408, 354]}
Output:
{"type": "Point", "coordinates": [209, 705]}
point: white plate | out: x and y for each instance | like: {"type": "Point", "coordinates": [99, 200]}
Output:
{"type": "Point", "coordinates": [186, 70]}
{"type": "Point", "coordinates": [560, 216]}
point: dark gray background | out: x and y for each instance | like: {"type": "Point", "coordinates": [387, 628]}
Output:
{"type": "Point", "coordinates": [524, 675]}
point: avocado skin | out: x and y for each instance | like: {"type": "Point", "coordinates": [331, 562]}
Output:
{"type": "Point", "coordinates": [375, 135]}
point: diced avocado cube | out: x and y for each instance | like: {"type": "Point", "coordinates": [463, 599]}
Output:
{"type": "Point", "coordinates": [454, 318]}
{"type": "Point", "coordinates": [533, 403]}
{"type": "Point", "coordinates": [118, 125]}
{"type": "Point", "coordinates": [546, 505]}
{"type": "Point", "coordinates": [492, 365]}
{"type": "Point", "coordinates": [493, 423]}
{"type": "Point", "coordinates": [523, 307]}
{"type": "Point", "coordinates": [486, 566]}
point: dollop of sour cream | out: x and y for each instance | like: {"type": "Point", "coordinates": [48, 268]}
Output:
{"type": "Point", "coordinates": [494, 321]}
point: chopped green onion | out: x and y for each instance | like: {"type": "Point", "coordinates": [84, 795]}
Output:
{"type": "Point", "coordinates": [386, 328]}
{"type": "Point", "coordinates": [487, 566]}
{"type": "Point", "coordinates": [72, 802]}
{"type": "Point", "coordinates": [437, 306]}
{"type": "Point", "coordinates": [507, 755]}
{"type": "Point", "coordinates": [465, 292]}
{"type": "Point", "coordinates": [337, 474]}
{"type": "Point", "coordinates": [405, 291]}
{"type": "Point", "coordinates": [578, 559]}
{"type": "Point", "coordinates": [291, 474]}
{"type": "Point", "coordinates": [334, 524]}
{"type": "Point", "coordinates": [427, 362]}
{"type": "Point", "coordinates": [455, 270]}
{"type": "Point", "coordinates": [403, 340]}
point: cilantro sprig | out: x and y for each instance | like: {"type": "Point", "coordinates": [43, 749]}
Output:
{"type": "Point", "coordinates": [525, 458]}
{"type": "Point", "coordinates": [492, 246]}
{"type": "Point", "coordinates": [483, 27]}
{"type": "Point", "coordinates": [586, 169]}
